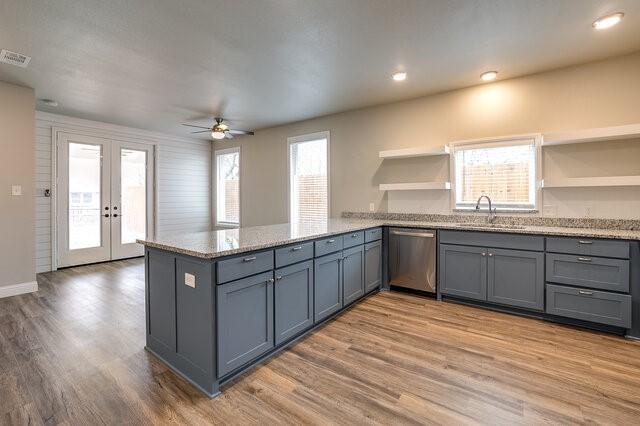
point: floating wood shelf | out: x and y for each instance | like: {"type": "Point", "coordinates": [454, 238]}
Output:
{"type": "Point", "coordinates": [414, 152]}
{"type": "Point", "coordinates": [629, 131]}
{"type": "Point", "coordinates": [586, 182]}
{"type": "Point", "coordinates": [414, 186]}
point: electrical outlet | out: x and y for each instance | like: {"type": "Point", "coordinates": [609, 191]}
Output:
{"type": "Point", "coordinates": [372, 207]}
{"type": "Point", "coordinates": [190, 280]}
{"type": "Point", "coordinates": [16, 190]}
{"type": "Point", "coordinates": [550, 211]}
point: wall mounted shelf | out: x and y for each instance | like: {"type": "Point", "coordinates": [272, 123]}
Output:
{"type": "Point", "coordinates": [629, 131]}
{"type": "Point", "coordinates": [586, 182]}
{"type": "Point", "coordinates": [414, 186]}
{"type": "Point", "coordinates": [414, 152]}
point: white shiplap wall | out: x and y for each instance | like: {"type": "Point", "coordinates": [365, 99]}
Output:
{"type": "Point", "coordinates": [183, 178]}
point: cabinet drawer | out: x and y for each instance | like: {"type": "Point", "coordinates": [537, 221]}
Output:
{"type": "Point", "coordinates": [587, 271]}
{"type": "Point", "coordinates": [328, 245]}
{"type": "Point", "coordinates": [353, 239]}
{"type": "Point", "coordinates": [491, 239]}
{"type": "Point", "coordinates": [244, 265]}
{"type": "Point", "coordinates": [294, 254]}
{"type": "Point", "coordinates": [589, 305]}
{"type": "Point", "coordinates": [589, 247]}
{"type": "Point", "coordinates": [372, 235]}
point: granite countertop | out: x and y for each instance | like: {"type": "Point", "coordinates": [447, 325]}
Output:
{"type": "Point", "coordinates": [226, 242]}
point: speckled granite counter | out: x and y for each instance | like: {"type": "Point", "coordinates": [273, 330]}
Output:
{"type": "Point", "coordinates": [214, 244]}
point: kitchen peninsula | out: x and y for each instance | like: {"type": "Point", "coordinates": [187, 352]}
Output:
{"type": "Point", "coordinates": [219, 302]}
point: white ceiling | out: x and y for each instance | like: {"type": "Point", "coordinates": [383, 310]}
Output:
{"type": "Point", "coordinates": [156, 63]}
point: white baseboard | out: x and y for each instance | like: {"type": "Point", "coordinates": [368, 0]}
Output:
{"type": "Point", "coordinates": [16, 289]}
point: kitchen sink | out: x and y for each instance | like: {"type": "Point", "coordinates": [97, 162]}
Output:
{"type": "Point", "coordinates": [488, 226]}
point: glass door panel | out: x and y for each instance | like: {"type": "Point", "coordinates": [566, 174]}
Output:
{"type": "Point", "coordinates": [84, 196]}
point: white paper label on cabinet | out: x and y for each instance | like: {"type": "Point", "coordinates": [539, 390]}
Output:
{"type": "Point", "coordinates": [190, 280]}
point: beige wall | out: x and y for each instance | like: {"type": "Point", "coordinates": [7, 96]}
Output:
{"type": "Point", "coordinates": [599, 94]}
{"type": "Point", "coordinates": [17, 167]}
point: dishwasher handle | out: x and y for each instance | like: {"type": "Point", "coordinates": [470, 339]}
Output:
{"type": "Point", "coordinates": [414, 234]}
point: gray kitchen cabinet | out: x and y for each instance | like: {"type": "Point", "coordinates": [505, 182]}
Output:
{"type": "Point", "coordinates": [516, 278]}
{"type": "Point", "coordinates": [588, 271]}
{"type": "Point", "coordinates": [353, 273]}
{"type": "Point", "coordinates": [293, 300]}
{"type": "Point", "coordinates": [372, 266]}
{"type": "Point", "coordinates": [245, 319]}
{"type": "Point", "coordinates": [463, 271]}
{"type": "Point", "coordinates": [327, 289]}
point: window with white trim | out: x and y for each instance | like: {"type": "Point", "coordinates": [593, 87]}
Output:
{"type": "Point", "coordinates": [506, 171]}
{"type": "Point", "coordinates": [228, 187]}
{"type": "Point", "coordinates": [309, 177]}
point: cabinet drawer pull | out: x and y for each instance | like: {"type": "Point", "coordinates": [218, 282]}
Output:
{"type": "Point", "coordinates": [586, 293]}
{"type": "Point", "coordinates": [585, 242]}
{"type": "Point", "coordinates": [296, 248]}
{"type": "Point", "coordinates": [249, 259]}
{"type": "Point", "coordinates": [584, 259]}
{"type": "Point", "coordinates": [331, 241]}
{"type": "Point", "coordinates": [354, 235]}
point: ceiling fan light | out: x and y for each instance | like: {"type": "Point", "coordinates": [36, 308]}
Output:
{"type": "Point", "coordinates": [217, 134]}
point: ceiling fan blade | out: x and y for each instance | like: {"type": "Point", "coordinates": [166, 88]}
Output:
{"type": "Point", "coordinates": [240, 132]}
{"type": "Point", "coordinates": [228, 135]}
{"type": "Point", "coordinates": [198, 127]}
{"type": "Point", "coordinates": [201, 131]}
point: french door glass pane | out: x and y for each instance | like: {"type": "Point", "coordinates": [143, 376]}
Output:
{"type": "Point", "coordinates": [228, 187]}
{"type": "Point", "coordinates": [84, 196]}
{"type": "Point", "coordinates": [133, 182]}
{"type": "Point", "coordinates": [308, 180]}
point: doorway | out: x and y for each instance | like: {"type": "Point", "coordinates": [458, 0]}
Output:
{"type": "Point", "coordinates": [104, 198]}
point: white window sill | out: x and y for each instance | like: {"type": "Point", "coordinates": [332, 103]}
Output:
{"type": "Point", "coordinates": [227, 225]}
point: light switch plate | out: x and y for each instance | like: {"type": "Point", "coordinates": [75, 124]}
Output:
{"type": "Point", "coordinates": [16, 190]}
{"type": "Point", "coordinates": [190, 280]}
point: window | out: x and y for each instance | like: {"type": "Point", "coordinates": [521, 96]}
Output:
{"type": "Point", "coordinates": [228, 187]}
{"type": "Point", "coordinates": [504, 170]}
{"type": "Point", "coordinates": [309, 177]}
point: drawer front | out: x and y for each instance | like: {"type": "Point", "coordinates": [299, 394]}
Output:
{"type": "Point", "coordinates": [353, 239]}
{"type": "Point", "coordinates": [328, 245]}
{"type": "Point", "coordinates": [587, 271]}
{"type": "Point", "coordinates": [372, 235]}
{"type": "Point", "coordinates": [589, 305]}
{"type": "Point", "coordinates": [294, 254]}
{"type": "Point", "coordinates": [492, 239]}
{"type": "Point", "coordinates": [589, 247]}
{"type": "Point", "coordinates": [244, 265]}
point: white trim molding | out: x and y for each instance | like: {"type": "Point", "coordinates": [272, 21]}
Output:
{"type": "Point", "coordinates": [17, 289]}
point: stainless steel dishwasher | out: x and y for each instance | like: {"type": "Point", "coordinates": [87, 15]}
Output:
{"type": "Point", "coordinates": [412, 259]}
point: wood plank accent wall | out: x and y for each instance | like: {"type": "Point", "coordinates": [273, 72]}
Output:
{"type": "Point", "coordinates": [183, 178]}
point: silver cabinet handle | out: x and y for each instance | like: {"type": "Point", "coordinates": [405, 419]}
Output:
{"type": "Point", "coordinates": [490, 254]}
{"type": "Point", "coordinates": [584, 259]}
{"type": "Point", "coordinates": [249, 259]}
{"type": "Point", "coordinates": [354, 235]}
{"type": "Point", "coordinates": [585, 242]}
{"type": "Point", "coordinates": [484, 254]}
{"type": "Point", "coordinates": [586, 293]}
{"type": "Point", "coordinates": [296, 248]}
{"type": "Point", "coordinates": [278, 277]}
{"type": "Point", "coordinates": [413, 234]}
{"type": "Point", "coordinates": [270, 280]}
{"type": "Point", "coordinates": [331, 241]}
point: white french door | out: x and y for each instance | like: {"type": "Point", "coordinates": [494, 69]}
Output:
{"type": "Point", "coordinates": [104, 199]}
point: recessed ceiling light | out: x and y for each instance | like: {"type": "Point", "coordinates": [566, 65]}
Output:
{"type": "Point", "coordinates": [399, 76]}
{"type": "Point", "coordinates": [489, 75]}
{"type": "Point", "coordinates": [608, 21]}
{"type": "Point", "coordinates": [49, 102]}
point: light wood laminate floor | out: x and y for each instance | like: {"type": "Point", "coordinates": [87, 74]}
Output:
{"type": "Point", "coordinates": [72, 353]}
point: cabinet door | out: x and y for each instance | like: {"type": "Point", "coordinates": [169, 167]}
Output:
{"type": "Point", "coordinates": [293, 292]}
{"type": "Point", "coordinates": [372, 266]}
{"type": "Point", "coordinates": [516, 278]}
{"type": "Point", "coordinates": [245, 321]}
{"type": "Point", "coordinates": [463, 271]}
{"type": "Point", "coordinates": [353, 273]}
{"type": "Point", "coordinates": [327, 291]}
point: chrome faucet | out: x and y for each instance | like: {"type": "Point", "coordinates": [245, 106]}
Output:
{"type": "Point", "coordinates": [492, 212]}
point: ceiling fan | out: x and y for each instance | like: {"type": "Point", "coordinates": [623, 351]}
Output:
{"type": "Point", "coordinates": [220, 130]}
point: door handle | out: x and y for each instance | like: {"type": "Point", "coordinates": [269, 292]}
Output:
{"type": "Point", "coordinates": [106, 215]}
{"type": "Point", "coordinates": [584, 259]}
{"type": "Point", "coordinates": [413, 234]}
{"type": "Point", "coordinates": [115, 215]}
